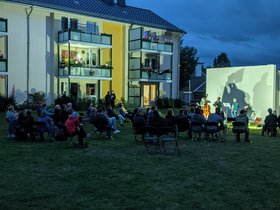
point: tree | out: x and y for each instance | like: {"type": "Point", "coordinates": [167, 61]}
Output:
{"type": "Point", "coordinates": [188, 63]}
{"type": "Point", "coordinates": [221, 61]}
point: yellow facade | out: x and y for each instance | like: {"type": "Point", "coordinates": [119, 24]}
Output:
{"type": "Point", "coordinates": [118, 53]}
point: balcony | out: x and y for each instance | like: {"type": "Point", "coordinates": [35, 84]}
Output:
{"type": "Point", "coordinates": [94, 72]}
{"type": "Point", "coordinates": [3, 65]}
{"type": "Point", "coordinates": [148, 41]}
{"type": "Point", "coordinates": [3, 25]}
{"type": "Point", "coordinates": [145, 45]}
{"type": "Point", "coordinates": [104, 40]}
{"type": "Point", "coordinates": [150, 75]}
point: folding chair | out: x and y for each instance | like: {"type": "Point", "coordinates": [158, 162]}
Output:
{"type": "Point", "coordinates": [183, 125]}
{"type": "Point", "coordinates": [197, 128]}
{"type": "Point", "coordinates": [238, 128]}
{"type": "Point", "coordinates": [271, 131]}
{"type": "Point", "coordinates": [101, 128]}
{"type": "Point", "coordinates": [168, 134]}
{"type": "Point", "coordinates": [138, 131]}
{"type": "Point", "coordinates": [151, 137]}
{"type": "Point", "coordinates": [69, 139]}
{"type": "Point", "coordinates": [212, 129]}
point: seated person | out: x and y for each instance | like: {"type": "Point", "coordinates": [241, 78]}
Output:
{"type": "Point", "coordinates": [11, 118]}
{"type": "Point", "coordinates": [197, 117]}
{"type": "Point", "coordinates": [242, 117]}
{"type": "Point", "coordinates": [182, 122]}
{"type": "Point", "coordinates": [44, 108]}
{"type": "Point", "coordinates": [170, 118]}
{"type": "Point", "coordinates": [158, 121]}
{"type": "Point", "coordinates": [270, 122]}
{"type": "Point", "coordinates": [101, 122]}
{"type": "Point", "coordinates": [124, 112]}
{"type": "Point", "coordinates": [150, 114]}
{"type": "Point", "coordinates": [47, 126]}
{"type": "Point", "coordinates": [73, 127]}
{"type": "Point", "coordinates": [139, 121]}
{"type": "Point", "coordinates": [25, 125]}
{"type": "Point", "coordinates": [111, 113]}
{"type": "Point", "coordinates": [217, 118]}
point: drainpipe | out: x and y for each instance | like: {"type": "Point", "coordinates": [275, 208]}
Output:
{"type": "Point", "coordinates": [28, 13]}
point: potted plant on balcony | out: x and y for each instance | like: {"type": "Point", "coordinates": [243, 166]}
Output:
{"type": "Point", "coordinates": [91, 72]}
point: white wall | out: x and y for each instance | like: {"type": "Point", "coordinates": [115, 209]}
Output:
{"type": "Point", "coordinates": [39, 51]}
{"type": "Point", "coordinates": [253, 85]}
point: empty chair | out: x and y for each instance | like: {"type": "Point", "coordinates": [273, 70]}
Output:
{"type": "Point", "coordinates": [168, 135]}
{"type": "Point", "coordinates": [151, 138]}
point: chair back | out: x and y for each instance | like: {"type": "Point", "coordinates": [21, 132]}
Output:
{"type": "Point", "coordinates": [182, 124]}
{"type": "Point", "coordinates": [211, 126]}
{"type": "Point", "coordinates": [239, 127]}
{"type": "Point", "coordinates": [197, 126]}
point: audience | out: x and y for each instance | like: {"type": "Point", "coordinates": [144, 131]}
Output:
{"type": "Point", "coordinates": [242, 117]}
{"type": "Point", "coordinates": [270, 122]}
{"type": "Point", "coordinates": [73, 127]}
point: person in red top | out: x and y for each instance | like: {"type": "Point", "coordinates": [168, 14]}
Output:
{"type": "Point", "coordinates": [73, 127]}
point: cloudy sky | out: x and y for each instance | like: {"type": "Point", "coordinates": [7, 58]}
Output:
{"type": "Point", "coordinates": [248, 31]}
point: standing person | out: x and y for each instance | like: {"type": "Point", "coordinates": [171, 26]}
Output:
{"type": "Point", "coordinates": [270, 122]}
{"type": "Point", "coordinates": [218, 104]}
{"type": "Point", "coordinates": [234, 107]}
{"type": "Point", "coordinates": [107, 99]}
{"type": "Point", "coordinates": [112, 99]}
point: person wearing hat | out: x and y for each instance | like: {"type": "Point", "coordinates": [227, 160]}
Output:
{"type": "Point", "coordinates": [73, 127]}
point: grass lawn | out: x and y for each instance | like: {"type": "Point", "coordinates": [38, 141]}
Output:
{"type": "Point", "coordinates": [119, 174]}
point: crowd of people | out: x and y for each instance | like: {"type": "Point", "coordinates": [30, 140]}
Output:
{"type": "Point", "coordinates": [110, 118]}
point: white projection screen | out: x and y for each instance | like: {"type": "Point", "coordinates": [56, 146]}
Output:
{"type": "Point", "coordinates": [253, 85]}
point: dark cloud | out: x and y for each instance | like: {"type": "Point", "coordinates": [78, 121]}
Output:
{"type": "Point", "coordinates": [247, 30]}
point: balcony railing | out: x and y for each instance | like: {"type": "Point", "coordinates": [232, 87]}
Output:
{"type": "Point", "coordinates": [3, 25]}
{"type": "Point", "coordinates": [97, 72]}
{"type": "Point", "coordinates": [81, 36]}
{"type": "Point", "coordinates": [3, 65]}
{"type": "Point", "coordinates": [150, 75]}
{"type": "Point", "coordinates": [149, 45]}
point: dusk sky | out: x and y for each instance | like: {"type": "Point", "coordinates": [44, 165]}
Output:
{"type": "Point", "coordinates": [248, 31]}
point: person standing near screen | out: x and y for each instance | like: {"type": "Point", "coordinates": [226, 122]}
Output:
{"type": "Point", "coordinates": [218, 104]}
{"type": "Point", "coordinates": [234, 107]}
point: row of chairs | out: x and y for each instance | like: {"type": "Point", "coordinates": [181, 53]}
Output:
{"type": "Point", "coordinates": [157, 138]}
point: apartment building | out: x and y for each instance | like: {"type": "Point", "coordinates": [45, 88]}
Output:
{"type": "Point", "coordinates": [85, 48]}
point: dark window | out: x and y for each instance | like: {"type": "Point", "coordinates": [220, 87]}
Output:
{"type": "Point", "coordinates": [74, 23]}
{"type": "Point", "coordinates": [64, 23]}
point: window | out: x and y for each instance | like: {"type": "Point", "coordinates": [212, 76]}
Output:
{"type": "Point", "coordinates": [92, 28]}
{"type": "Point", "coordinates": [64, 23]}
{"type": "Point", "coordinates": [90, 89]}
{"type": "Point", "coordinates": [74, 23]}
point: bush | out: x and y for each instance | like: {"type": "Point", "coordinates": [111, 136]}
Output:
{"type": "Point", "coordinates": [5, 101]}
{"type": "Point", "coordinates": [33, 101]}
{"type": "Point", "coordinates": [178, 103]}
{"type": "Point", "coordinates": [77, 104]}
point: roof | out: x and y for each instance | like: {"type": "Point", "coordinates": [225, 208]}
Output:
{"type": "Point", "coordinates": [99, 9]}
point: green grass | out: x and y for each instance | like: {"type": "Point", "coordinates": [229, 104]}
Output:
{"type": "Point", "coordinates": [120, 174]}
